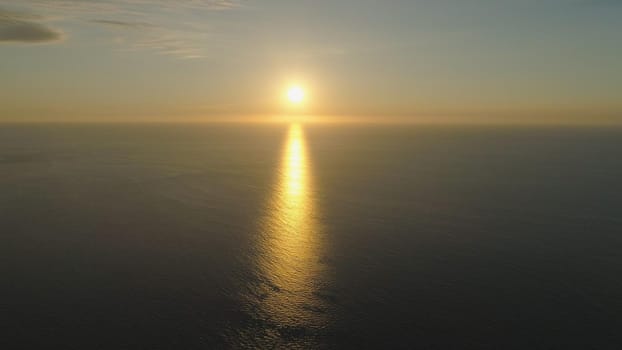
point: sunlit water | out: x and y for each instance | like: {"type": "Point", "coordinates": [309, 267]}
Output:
{"type": "Point", "coordinates": [298, 236]}
{"type": "Point", "coordinates": [288, 258]}
{"type": "Point", "coordinates": [290, 248]}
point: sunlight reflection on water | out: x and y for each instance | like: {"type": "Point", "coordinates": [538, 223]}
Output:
{"type": "Point", "coordinates": [289, 259]}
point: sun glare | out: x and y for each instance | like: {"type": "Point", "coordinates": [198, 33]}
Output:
{"type": "Point", "coordinates": [295, 94]}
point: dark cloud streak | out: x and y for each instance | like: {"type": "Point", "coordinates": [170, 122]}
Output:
{"type": "Point", "coordinates": [23, 28]}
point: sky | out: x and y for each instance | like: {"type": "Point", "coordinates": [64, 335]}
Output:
{"type": "Point", "coordinates": [392, 60]}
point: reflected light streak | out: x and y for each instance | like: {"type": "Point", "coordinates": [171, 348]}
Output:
{"type": "Point", "coordinates": [289, 262]}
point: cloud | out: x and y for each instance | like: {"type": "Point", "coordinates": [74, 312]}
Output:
{"type": "Point", "coordinates": [23, 28]}
{"type": "Point", "coordinates": [7, 16]}
{"type": "Point", "coordinates": [119, 6]}
{"type": "Point", "coordinates": [123, 24]}
{"type": "Point", "coordinates": [603, 2]}
{"type": "Point", "coordinates": [177, 28]}
{"type": "Point", "coordinates": [168, 46]}
{"type": "Point", "coordinates": [27, 32]}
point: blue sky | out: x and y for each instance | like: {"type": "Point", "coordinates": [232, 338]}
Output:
{"type": "Point", "coordinates": [464, 60]}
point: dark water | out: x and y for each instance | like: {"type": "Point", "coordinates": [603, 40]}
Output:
{"type": "Point", "coordinates": [201, 237]}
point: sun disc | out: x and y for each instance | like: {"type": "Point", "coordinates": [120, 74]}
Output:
{"type": "Point", "coordinates": [295, 94]}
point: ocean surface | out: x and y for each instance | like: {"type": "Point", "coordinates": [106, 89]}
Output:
{"type": "Point", "coordinates": [310, 237]}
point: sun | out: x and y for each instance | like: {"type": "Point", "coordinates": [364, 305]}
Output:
{"type": "Point", "coordinates": [295, 94]}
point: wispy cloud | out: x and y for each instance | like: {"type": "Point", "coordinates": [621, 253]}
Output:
{"type": "Point", "coordinates": [603, 2]}
{"type": "Point", "coordinates": [123, 24]}
{"type": "Point", "coordinates": [167, 45]}
{"type": "Point", "coordinates": [102, 6]}
{"type": "Point", "coordinates": [162, 26]}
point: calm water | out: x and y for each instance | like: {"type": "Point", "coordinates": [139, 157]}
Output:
{"type": "Point", "coordinates": [200, 237]}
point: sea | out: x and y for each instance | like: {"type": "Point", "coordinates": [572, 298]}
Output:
{"type": "Point", "coordinates": [310, 236]}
